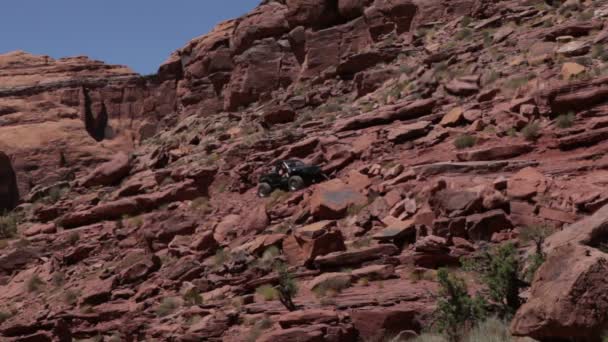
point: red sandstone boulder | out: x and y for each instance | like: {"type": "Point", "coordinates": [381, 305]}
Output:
{"type": "Point", "coordinates": [331, 200]}
{"type": "Point", "coordinates": [567, 298]}
{"type": "Point", "coordinates": [109, 173]}
{"type": "Point", "coordinates": [314, 240]}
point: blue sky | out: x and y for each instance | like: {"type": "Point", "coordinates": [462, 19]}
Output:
{"type": "Point", "coordinates": [137, 33]}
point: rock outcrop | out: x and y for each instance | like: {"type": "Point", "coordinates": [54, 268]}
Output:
{"type": "Point", "coordinates": [9, 193]}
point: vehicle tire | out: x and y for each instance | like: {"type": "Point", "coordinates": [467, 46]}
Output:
{"type": "Point", "coordinates": [264, 190]}
{"type": "Point", "coordinates": [295, 183]}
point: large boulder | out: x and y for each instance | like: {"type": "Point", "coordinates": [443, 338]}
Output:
{"type": "Point", "coordinates": [568, 296]}
{"type": "Point", "coordinates": [9, 193]}
{"type": "Point", "coordinates": [109, 173]}
{"type": "Point", "coordinates": [331, 200]}
{"type": "Point", "coordinates": [306, 243]}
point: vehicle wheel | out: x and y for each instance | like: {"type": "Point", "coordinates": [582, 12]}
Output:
{"type": "Point", "coordinates": [264, 190]}
{"type": "Point", "coordinates": [296, 183]}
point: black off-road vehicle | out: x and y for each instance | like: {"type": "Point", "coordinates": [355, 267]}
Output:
{"type": "Point", "coordinates": [289, 175]}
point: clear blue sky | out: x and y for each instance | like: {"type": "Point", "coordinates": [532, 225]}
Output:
{"type": "Point", "coordinates": [137, 33]}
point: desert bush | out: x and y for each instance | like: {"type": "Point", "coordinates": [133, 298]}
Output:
{"type": "Point", "coordinates": [499, 268]}
{"type": "Point", "coordinates": [537, 235]}
{"type": "Point", "coordinates": [201, 205]}
{"type": "Point", "coordinates": [490, 330]}
{"type": "Point", "coordinates": [332, 287]}
{"type": "Point", "coordinates": [531, 132]}
{"type": "Point", "coordinates": [4, 315]}
{"type": "Point", "coordinates": [598, 52]}
{"type": "Point", "coordinates": [167, 306]}
{"type": "Point", "coordinates": [58, 279]}
{"type": "Point", "coordinates": [287, 288]}
{"type": "Point", "coordinates": [565, 120]}
{"type": "Point", "coordinates": [464, 33]}
{"type": "Point", "coordinates": [71, 297]}
{"type": "Point", "coordinates": [457, 311]}
{"type": "Point", "coordinates": [267, 292]}
{"type": "Point", "coordinates": [220, 257]}
{"type": "Point", "coordinates": [34, 283]}
{"type": "Point", "coordinates": [8, 225]}
{"type": "Point", "coordinates": [465, 141]}
{"type": "Point", "coordinates": [192, 297]}
{"type": "Point", "coordinates": [73, 238]}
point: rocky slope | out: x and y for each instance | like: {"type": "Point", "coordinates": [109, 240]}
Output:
{"type": "Point", "coordinates": [445, 127]}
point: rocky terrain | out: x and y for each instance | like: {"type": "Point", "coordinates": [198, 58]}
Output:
{"type": "Point", "coordinates": [448, 128]}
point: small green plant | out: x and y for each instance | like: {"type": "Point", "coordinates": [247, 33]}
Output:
{"type": "Point", "coordinates": [531, 132]}
{"type": "Point", "coordinates": [201, 205]}
{"type": "Point", "coordinates": [267, 292]}
{"type": "Point", "coordinates": [167, 306]}
{"type": "Point", "coordinates": [512, 132]}
{"type": "Point", "coordinates": [4, 316]}
{"type": "Point", "coordinates": [58, 279]}
{"type": "Point", "coordinates": [537, 235]}
{"type": "Point", "coordinates": [288, 288]}
{"type": "Point", "coordinates": [268, 258]}
{"type": "Point", "coordinates": [136, 222]}
{"type": "Point", "coordinates": [492, 329]}
{"type": "Point", "coordinates": [34, 283]}
{"type": "Point", "coordinates": [456, 311]}
{"type": "Point", "coordinates": [257, 329]}
{"type": "Point", "coordinates": [54, 195]}
{"type": "Point", "coordinates": [464, 141]}
{"type": "Point", "coordinates": [277, 196]}
{"type": "Point", "coordinates": [332, 287]}
{"type": "Point", "coordinates": [192, 298]}
{"type": "Point", "coordinates": [565, 120]}
{"type": "Point", "coordinates": [463, 34]}
{"type": "Point", "coordinates": [517, 82]}
{"type": "Point", "coordinates": [599, 52]}
{"type": "Point", "coordinates": [73, 238]}
{"type": "Point", "coordinates": [466, 21]}
{"type": "Point", "coordinates": [8, 225]}
{"type": "Point", "coordinates": [71, 297]}
{"type": "Point", "coordinates": [221, 257]}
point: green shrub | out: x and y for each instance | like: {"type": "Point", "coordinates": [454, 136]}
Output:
{"type": "Point", "coordinates": [490, 330]}
{"type": "Point", "coordinates": [8, 225]}
{"type": "Point", "coordinates": [167, 306]}
{"type": "Point", "coordinates": [565, 120]}
{"type": "Point", "coordinates": [73, 238]}
{"type": "Point", "coordinates": [267, 292]}
{"type": "Point", "coordinates": [531, 132]}
{"type": "Point", "coordinates": [332, 287]}
{"type": "Point", "coordinates": [71, 297]}
{"type": "Point", "coordinates": [464, 33]}
{"type": "Point", "coordinates": [221, 257]}
{"type": "Point", "coordinates": [34, 283]}
{"type": "Point", "coordinates": [499, 268]}
{"type": "Point", "coordinates": [201, 205]}
{"type": "Point", "coordinates": [58, 279]}
{"type": "Point", "coordinates": [598, 52]}
{"type": "Point", "coordinates": [456, 312]}
{"type": "Point", "coordinates": [287, 287]}
{"type": "Point", "coordinates": [502, 279]}
{"type": "Point", "coordinates": [54, 195]}
{"type": "Point", "coordinates": [5, 316]}
{"type": "Point", "coordinates": [465, 141]}
{"type": "Point", "coordinates": [192, 297]}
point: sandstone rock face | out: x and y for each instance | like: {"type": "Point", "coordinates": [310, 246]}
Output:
{"type": "Point", "coordinates": [53, 111]}
{"type": "Point", "coordinates": [569, 302]}
{"type": "Point", "coordinates": [9, 193]}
